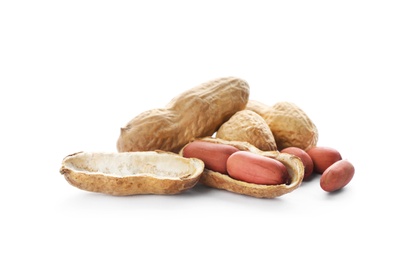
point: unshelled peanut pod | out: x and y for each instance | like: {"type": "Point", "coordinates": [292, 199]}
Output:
{"type": "Point", "coordinates": [248, 126]}
{"type": "Point", "coordinates": [197, 112]}
{"type": "Point", "coordinates": [289, 124]}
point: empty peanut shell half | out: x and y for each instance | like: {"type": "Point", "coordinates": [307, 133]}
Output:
{"type": "Point", "coordinates": [223, 181]}
{"type": "Point", "coordinates": [130, 173]}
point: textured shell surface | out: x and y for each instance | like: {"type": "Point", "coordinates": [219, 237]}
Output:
{"type": "Point", "coordinates": [289, 124]}
{"type": "Point", "coordinates": [197, 112]}
{"type": "Point", "coordinates": [248, 126]}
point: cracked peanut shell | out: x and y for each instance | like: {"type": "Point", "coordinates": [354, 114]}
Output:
{"type": "Point", "coordinates": [222, 181]}
{"type": "Point", "coordinates": [131, 173]}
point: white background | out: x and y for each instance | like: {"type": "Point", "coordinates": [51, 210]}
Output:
{"type": "Point", "coordinates": [73, 72]}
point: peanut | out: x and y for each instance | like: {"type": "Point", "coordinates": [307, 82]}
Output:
{"type": "Point", "coordinates": [248, 126]}
{"type": "Point", "coordinates": [337, 176]}
{"type": "Point", "coordinates": [213, 155]}
{"type": "Point", "coordinates": [214, 179]}
{"type": "Point", "coordinates": [323, 157]}
{"type": "Point", "coordinates": [289, 124]}
{"type": "Point", "coordinates": [255, 168]}
{"type": "Point", "coordinates": [304, 157]}
{"type": "Point", "coordinates": [197, 112]}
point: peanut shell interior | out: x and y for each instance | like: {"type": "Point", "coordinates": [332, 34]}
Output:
{"type": "Point", "coordinates": [130, 173]}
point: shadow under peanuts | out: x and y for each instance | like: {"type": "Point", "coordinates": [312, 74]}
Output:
{"type": "Point", "coordinates": [198, 190]}
{"type": "Point", "coordinates": [314, 177]}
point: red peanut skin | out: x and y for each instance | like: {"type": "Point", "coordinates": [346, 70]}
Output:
{"type": "Point", "coordinates": [304, 157]}
{"type": "Point", "coordinates": [337, 176]}
{"type": "Point", "coordinates": [213, 155]}
{"type": "Point", "coordinates": [323, 157]}
{"type": "Point", "coordinates": [254, 168]}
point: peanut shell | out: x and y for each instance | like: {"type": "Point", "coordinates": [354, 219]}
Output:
{"type": "Point", "coordinates": [289, 124]}
{"type": "Point", "coordinates": [218, 180]}
{"type": "Point", "coordinates": [131, 173]}
{"type": "Point", "coordinates": [248, 126]}
{"type": "Point", "coordinates": [197, 112]}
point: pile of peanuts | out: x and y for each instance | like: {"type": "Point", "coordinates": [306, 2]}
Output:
{"type": "Point", "coordinates": [335, 172]}
{"type": "Point", "coordinates": [255, 168]}
{"type": "Point", "coordinates": [222, 109]}
{"type": "Point", "coordinates": [241, 165]}
{"type": "Point", "coordinates": [214, 134]}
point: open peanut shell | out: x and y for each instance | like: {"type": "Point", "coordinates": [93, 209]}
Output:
{"type": "Point", "coordinates": [223, 181]}
{"type": "Point", "coordinates": [131, 173]}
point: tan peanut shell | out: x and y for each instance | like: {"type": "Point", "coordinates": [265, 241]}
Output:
{"type": "Point", "coordinates": [131, 173]}
{"type": "Point", "coordinates": [197, 112]}
{"type": "Point", "coordinates": [218, 180]}
{"type": "Point", "coordinates": [248, 126]}
{"type": "Point", "coordinates": [289, 124]}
